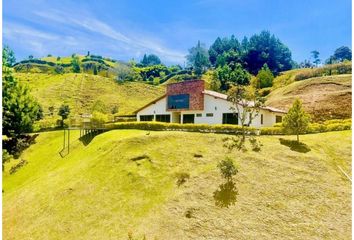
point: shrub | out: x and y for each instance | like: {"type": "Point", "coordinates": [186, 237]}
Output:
{"type": "Point", "coordinates": [98, 119]}
{"type": "Point", "coordinates": [161, 126]}
{"type": "Point", "coordinates": [227, 168]}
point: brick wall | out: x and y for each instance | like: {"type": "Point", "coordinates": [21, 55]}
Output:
{"type": "Point", "coordinates": [195, 90]}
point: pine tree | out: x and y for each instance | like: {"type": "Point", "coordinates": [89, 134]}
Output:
{"type": "Point", "coordinates": [20, 109]}
{"type": "Point", "coordinates": [296, 121]}
{"type": "Point", "coordinates": [265, 77]}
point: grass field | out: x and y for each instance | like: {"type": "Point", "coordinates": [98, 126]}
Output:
{"type": "Point", "coordinates": [101, 191]}
{"type": "Point", "coordinates": [82, 91]}
{"type": "Point", "coordinates": [325, 98]}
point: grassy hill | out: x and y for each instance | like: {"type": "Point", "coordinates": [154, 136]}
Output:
{"type": "Point", "coordinates": [102, 190]}
{"type": "Point", "coordinates": [327, 97]}
{"type": "Point", "coordinates": [83, 91]}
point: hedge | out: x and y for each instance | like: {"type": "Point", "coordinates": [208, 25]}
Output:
{"type": "Point", "coordinates": [327, 126]}
{"type": "Point", "coordinates": [161, 126]}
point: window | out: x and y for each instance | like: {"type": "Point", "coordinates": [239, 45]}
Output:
{"type": "Point", "coordinates": [198, 114]}
{"type": "Point", "coordinates": [261, 118]}
{"type": "Point", "coordinates": [209, 114]}
{"type": "Point", "coordinates": [278, 119]}
{"type": "Point", "coordinates": [180, 101]}
{"type": "Point", "coordinates": [229, 118]}
{"type": "Point", "coordinates": [163, 118]}
{"type": "Point", "coordinates": [146, 118]}
{"type": "Point", "coordinates": [188, 118]}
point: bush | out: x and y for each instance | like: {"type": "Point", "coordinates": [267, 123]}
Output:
{"type": "Point", "coordinates": [99, 119]}
{"type": "Point", "coordinates": [327, 126]}
{"type": "Point", "coordinates": [15, 146]}
{"type": "Point", "coordinates": [161, 126]}
{"type": "Point", "coordinates": [227, 168]}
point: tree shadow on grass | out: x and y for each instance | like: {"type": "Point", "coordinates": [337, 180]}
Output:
{"type": "Point", "coordinates": [226, 194]}
{"type": "Point", "coordinates": [87, 138]}
{"type": "Point", "coordinates": [295, 145]}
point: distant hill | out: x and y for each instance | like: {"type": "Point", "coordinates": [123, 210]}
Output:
{"type": "Point", "coordinates": [327, 97]}
{"type": "Point", "coordinates": [83, 91]}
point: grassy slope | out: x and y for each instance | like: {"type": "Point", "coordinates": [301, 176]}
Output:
{"type": "Point", "coordinates": [97, 192]}
{"type": "Point", "coordinates": [324, 97]}
{"type": "Point", "coordinates": [68, 60]}
{"type": "Point", "coordinates": [81, 91]}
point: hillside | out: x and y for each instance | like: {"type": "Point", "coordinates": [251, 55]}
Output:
{"type": "Point", "coordinates": [327, 97]}
{"type": "Point", "coordinates": [83, 91]}
{"type": "Point", "coordinates": [103, 190]}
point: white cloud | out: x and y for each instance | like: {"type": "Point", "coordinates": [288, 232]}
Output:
{"type": "Point", "coordinates": [134, 42]}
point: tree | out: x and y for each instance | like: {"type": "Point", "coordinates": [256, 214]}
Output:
{"type": "Point", "coordinates": [198, 59]}
{"type": "Point", "coordinates": [58, 58]}
{"type": "Point", "coordinates": [64, 112]}
{"type": "Point", "coordinates": [75, 64]}
{"type": "Point", "coordinates": [227, 168]}
{"type": "Point", "coordinates": [20, 109]}
{"type": "Point", "coordinates": [266, 48]}
{"type": "Point", "coordinates": [265, 77]}
{"type": "Point", "coordinates": [94, 69]}
{"type": "Point", "coordinates": [215, 83]}
{"type": "Point", "coordinates": [149, 60]}
{"type": "Point", "coordinates": [246, 104]}
{"type": "Point", "coordinates": [8, 57]}
{"type": "Point", "coordinates": [342, 53]}
{"type": "Point", "coordinates": [315, 55]}
{"type": "Point", "coordinates": [30, 57]}
{"type": "Point", "coordinates": [233, 74]}
{"type": "Point", "coordinates": [296, 121]}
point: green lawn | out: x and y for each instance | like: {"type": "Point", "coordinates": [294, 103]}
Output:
{"type": "Point", "coordinates": [99, 192]}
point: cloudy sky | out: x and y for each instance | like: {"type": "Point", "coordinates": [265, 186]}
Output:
{"type": "Point", "coordinates": [126, 29]}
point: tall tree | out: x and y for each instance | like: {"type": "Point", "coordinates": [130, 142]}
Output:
{"type": "Point", "coordinates": [64, 112]}
{"type": "Point", "coordinates": [296, 121]}
{"type": "Point", "coordinates": [150, 60]}
{"type": "Point", "coordinates": [342, 53]}
{"type": "Point", "coordinates": [315, 56]}
{"type": "Point", "coordinates": [20, 109]}
{"type": "Point", "coordinates": [266, 48]}
{"type": "Point", "coordinates": [198, 58]}
{"type": "Point", "coordinates": [265, 77]}
{"type": "Point", "coordinates": [246, 104]}
{"type": "Point", "coordinates": [8, 57]}
{"type": "Point", "coordinates": [75, 64]}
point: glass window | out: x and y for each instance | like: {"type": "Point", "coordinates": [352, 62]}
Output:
{"type": "Point", "coordinates": [180, 101]}
{"type": "Point", "coordinates": [198, 114]}
{"type": "Point", "coordinates": [230, 118]}
{"type": "Point", "coordinates": [146, 118]}
{"type": "Point", "coordinates": [163, 118]}
{"type": "Point", "coordinates": [209, 114]}
{"type": "Point", "coordinates": [278, 119]}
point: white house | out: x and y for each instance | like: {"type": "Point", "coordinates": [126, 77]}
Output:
{"type": "Point", "coordinates": [189, 102]}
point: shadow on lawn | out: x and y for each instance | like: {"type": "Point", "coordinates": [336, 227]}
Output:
{"type": "Point", "coordinates": [87, 138]}
{"type": "Point", "coordinates": [226, 194]}
{"type": "Point", "coordinates": [295, 145]}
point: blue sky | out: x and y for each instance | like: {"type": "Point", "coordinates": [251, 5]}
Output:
{"type": "Point", "coordinates": [126, 29]}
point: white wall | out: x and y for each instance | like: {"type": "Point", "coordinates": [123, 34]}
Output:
{"type": "Point", "coordinates": [213, 105]}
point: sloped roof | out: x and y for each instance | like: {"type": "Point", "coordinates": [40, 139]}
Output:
{"type": "Point", "coordinates": [224, 97]}
{"type": "Point", "coordinates": [216, 95]}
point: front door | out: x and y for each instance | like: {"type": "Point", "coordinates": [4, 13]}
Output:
{"type": "Point", "coordinates": [188, 118]}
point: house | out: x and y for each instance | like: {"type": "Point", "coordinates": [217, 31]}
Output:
{"type": "Point", "coordinates": [190, 102]}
